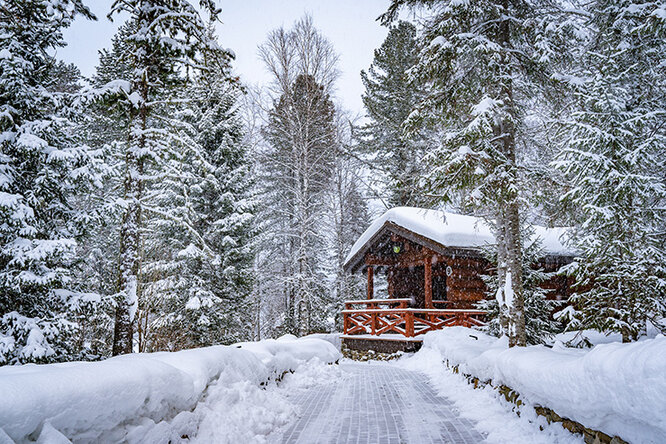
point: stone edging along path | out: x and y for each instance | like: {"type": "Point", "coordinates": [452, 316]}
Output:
{"type": "Point", "coordinates": [590, 436]}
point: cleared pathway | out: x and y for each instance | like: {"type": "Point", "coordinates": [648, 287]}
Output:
{"type": "Point", "coordinates": [377, 403]}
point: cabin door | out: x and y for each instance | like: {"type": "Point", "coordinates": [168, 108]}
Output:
{"type": "Point", "coordinates": [439, 288]}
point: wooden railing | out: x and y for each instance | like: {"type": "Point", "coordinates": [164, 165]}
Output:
{"type": "Point", "coordinates": [376, 303]}
{"type": "Point", "coordinates": [409, 322]}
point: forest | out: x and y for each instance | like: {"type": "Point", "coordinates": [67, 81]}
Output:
{"type": "Point", "coordinates": [164, 204]}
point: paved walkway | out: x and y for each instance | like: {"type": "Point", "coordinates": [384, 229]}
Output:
{"type": "Point", "coordinates": [377, 403]}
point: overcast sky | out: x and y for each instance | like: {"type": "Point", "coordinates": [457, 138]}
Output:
{"type": "Point", "coordinates": [349, 24]}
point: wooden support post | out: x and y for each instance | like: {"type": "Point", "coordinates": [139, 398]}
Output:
{"type": "Point", "coordinates": [427, 262]}
{"type": "Point", "coordinates": [409, 324]}
{"type": "Point", "coordinates": [371, 282]}
{"type": "Point", "coordinates": [389, 274]}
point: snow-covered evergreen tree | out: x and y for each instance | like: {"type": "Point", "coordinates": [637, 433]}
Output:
{"type": "Point", "coordinates": [615, 146]}
{"type": "Point", "coordinates": [42, 165]}
{"type": "Point", "coordinates": [166, 45]}
{"type": "Point", "coordinates": [202, 296]}
{"type": "Point", "coordinates": [481, 62]}
{"type": "Point", "coordinates": [389, 99]}
{"type": "Point", "coordinates": [104, 129]}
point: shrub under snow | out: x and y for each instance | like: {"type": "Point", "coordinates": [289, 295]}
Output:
{"type": "Point", "coordinates": [95, 401]}
{"type": "Point", "coordinates": [617, 388]}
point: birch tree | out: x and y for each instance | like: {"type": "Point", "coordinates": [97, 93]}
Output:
{"type": "Point", "coordinates": [299, 166]}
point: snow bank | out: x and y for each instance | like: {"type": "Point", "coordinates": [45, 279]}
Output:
{"type": "Point", "coordinates": [333, 338]}
{"type": "Point", "coordinates": [617, 388]}
{"type": "Point", "coordinates": [455, 230]}
{"type": "Point", "coordinates": [287, 352]}
{"type": "Point", "coordinates": [87, 401]}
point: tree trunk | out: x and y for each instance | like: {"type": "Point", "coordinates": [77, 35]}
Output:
{"type": "Point", "coordinates": [130, 230]}
{"type": "Point", "coordinates": [517, 334]}
{"type": "Point", "coordinates": [501, 271]}
{"type": "Point", "coordinates": [511, 220]}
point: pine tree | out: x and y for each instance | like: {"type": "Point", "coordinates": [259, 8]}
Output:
{"type": "Point", "coordinates": [302, 134]}
{"type": "Point", "coordinates": [389, 99]}
{"type": "Point", "coordinates": [613, 157]}
{"type": "Point", "coordinates": [482, 63]}
{"type": "Point", "coordinates": [42, 166]}
{"type": "Point", "coordinates": [167, 43]}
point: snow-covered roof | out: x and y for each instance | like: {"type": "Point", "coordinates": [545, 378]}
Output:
{"type": "Point", "coordinates": [455, 230]}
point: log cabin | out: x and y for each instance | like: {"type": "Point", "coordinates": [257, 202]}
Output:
{"type": "Point", "coordinates": [431, 265]}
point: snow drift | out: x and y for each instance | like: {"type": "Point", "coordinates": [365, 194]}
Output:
{"type": "Point", "coordinates": [85, 401]}
{"type": "Point", "coordinates": [619, 389]}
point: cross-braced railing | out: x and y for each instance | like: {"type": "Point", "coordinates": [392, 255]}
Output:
{"type": "Point", "coordinates": [409, 322]}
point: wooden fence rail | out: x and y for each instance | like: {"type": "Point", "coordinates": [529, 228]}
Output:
{"type": "Point", "coordinates": [376, 303]}
{"type": "Point", "coordinates": [409, 322]}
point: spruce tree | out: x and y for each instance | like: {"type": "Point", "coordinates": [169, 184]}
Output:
{"type": "Point", "coordinates": [203, 295]}
{"type": "Point", "coordinates": [613, 157]}
{"type": "Point", "coordinates": [540, 326]}
{"type": "Point", "coordinates": [389, 98]}
{"type": "Point", "coordinates": [42, 165]}
{"type": "Point", "coordinates": [166, 45]}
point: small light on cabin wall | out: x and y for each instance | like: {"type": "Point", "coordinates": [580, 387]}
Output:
{"type": "Point", "coordinates": [396, 249]}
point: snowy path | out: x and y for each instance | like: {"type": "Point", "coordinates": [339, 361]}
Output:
{"type": "Point", "coordinates": [377, 403]}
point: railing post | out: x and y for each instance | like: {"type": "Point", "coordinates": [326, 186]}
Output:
{"type": "Point", "coordinates": [373, 323]}
{"type": "Point", "coordinates": [409, 324]}
{"type": "Point", "coordinates": [427, 281]}
{"type": "Point", "coordinates": [344, 322]}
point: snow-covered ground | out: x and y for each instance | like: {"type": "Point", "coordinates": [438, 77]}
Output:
{"type": "Point", "coordinates": [214, 392]}
{"type": "Point", "coordinates": [617, 388]}
{"type": "Point", "coordinates": [231, 394]}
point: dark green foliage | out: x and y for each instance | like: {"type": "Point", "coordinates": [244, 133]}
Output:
{"type": "Point", "coordinates": [203, 298]}
{"type": "Point", "coordinates": [43, 164]}
{"type": "Point", "coordinates": [390, 96]}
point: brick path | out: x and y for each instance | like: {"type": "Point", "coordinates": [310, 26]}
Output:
{"type": "Point", "coordinates": [377, 403]}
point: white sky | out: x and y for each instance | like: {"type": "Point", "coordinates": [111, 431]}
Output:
{"type": "Point", "coordinates": [350, 25]}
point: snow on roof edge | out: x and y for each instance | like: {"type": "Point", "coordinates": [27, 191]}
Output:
{"type": "Point", "coordinates": [454, 230]}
